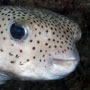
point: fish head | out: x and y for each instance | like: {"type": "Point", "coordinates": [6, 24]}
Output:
{"type": "Point", "coordinates": [35, 47]}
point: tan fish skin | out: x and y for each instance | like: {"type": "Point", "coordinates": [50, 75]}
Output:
{"type": "Point", "coordinates": [48, 51]}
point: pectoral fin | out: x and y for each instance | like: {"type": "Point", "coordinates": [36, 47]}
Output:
{"type": "Point", "coordinates": [3, 78]}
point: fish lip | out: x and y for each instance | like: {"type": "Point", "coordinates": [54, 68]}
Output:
{"type": "Point", "coordinates": [66, 59]}
{"type": "Point", "coordinates": [65, 62]}
{"type": "Point", "coordinates": [71, 59]}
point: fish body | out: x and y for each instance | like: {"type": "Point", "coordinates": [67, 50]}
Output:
{"type": "Point", "coordinates": [37, 44]}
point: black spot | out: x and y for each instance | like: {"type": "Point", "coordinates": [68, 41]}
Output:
{"type": "Point", "coordinates": [42, 26]}
{"type": "Point", "coordinates": [12, 44]}
{"type": "Point", "coordinates": [36, 29]}
{"type": "Point", "coordinates": [57, 41]}
{"type": "Point", "coordinates": [40, 60]}
{"type": "Point", "coordinates": [49, 54]}
{"type": "Point", "coordinates": [43, 55]}
{"type": "Point", "coordinates": [31, 40]}
{"type": "Point", "coordinates": [17, 56]}
{"type": "Point", "coordinates": [33, 48]}
{"type": "Point", "coordinates": [54, 40]}
{"type": "Point", "coordinates": [68, 48]}
{"type": "Point", "coordinates": [53, 33]}
{"type": "Point", "coordinates": [62, 35]}
{"type": "Point", "coordinates": [21, 50]}
{"type": "Point", "coordinates": [46, 31]}
{"type": "Point", "coordinates": [12, 62]}
{"type": "Point", "coordinates": [21, 63]}
{"type": "Point", "coordinates": [49, 39]}
{"type": "Point", "coordinates": [55, 46]}
{"type": "Point", "coordinates": [49, 46]}
{"type": "Point", "coordinates": [1, 32]}
{"type": "Point", "coordinates": [8, 18]}
{"type": "Point", "coordinates": [60, 46]}
{"type": "Point", "coordinates": [46, 44]}
{"type": "Point", "coordinates": [10, 54]}
{"type": "Point", "coordinates": [65, 41]}
{"type": "Point", "coordinates": [61, 42]}
{"type": "Point", "coordinates": [1, 50]}
{"type": "Point", "coordinates": [35, 35]}
{"type": "Point", "coordinates": [38, 41]}
{"type": "Point", "coordinates": [4, 38]}
{"type": "Point", "coordinates": [40, 50]}
{"type": "Point", "coordinates": [3, 19]}
{"type": "Point", "coordinates": [34, 57]}
{"type": "Point", "coordinates": [51, 28]}
{"type": "Point", "coordinates": [39, 32]}
{"type": "Point", "coordinates": [27, 60]}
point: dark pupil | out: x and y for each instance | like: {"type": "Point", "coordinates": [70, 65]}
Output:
{"type": "Point", "coordinates": [17, 31]}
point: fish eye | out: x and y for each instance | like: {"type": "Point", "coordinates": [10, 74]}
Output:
{"type": "Point", "coordinates": [17, 31]}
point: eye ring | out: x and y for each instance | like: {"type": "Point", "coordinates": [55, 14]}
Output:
{"type": "Point", "coordinates": [17, 31]}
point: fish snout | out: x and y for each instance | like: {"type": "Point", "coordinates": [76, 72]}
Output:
{"type": "Point", "coordinates": [63, 65]}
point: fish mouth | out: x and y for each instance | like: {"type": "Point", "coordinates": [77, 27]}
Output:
{"type": "Point", "coordinates": [61, 68]}
{"type": "Point", "coordinates": [64, 62]}
{"type": "Point", "coordinates": [55, 69]}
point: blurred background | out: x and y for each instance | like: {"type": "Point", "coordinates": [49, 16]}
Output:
{"type": "Point", "coordinates": [79, 11]}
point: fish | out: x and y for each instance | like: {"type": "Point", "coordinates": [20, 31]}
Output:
{"type": "Point", "coordinates": [36, 44]}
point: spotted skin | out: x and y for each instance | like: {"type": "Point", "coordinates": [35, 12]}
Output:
{"type": "Point", "coordinates": [49, 51]}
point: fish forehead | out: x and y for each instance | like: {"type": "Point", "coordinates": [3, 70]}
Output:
{"type": "Point", "coordinates": [50, 24]}
{"type": "Point", "coordinates": [49, 35]}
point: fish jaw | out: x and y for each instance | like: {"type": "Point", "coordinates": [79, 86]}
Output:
{"type": "Point", "coordinates": [62, 68]}
{"type": "Point", "coordinates": [54, 68]}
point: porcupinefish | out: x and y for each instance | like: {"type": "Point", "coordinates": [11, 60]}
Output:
{"type": "Point", "coordinates": [36, 44]}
